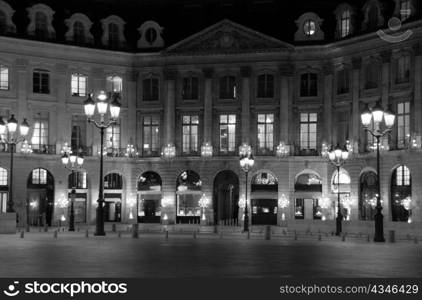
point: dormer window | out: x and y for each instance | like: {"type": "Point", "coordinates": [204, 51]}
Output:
{"type": "Point", "coordinates": [79, 26]}
{"type": "Point", "coordinates": [405, 9]}
{"type": "Point", "coordinates": [345, 24]}
{"type": "Point", "coordinates": [150, 33]}
{"type": "Point", "coordinates": [40, 26]}
{"type": "Point", "coordinates": [113, 35]}
{"type": "Point", "coordinates": [6, 23]}
{"type": "Point", "coordinates": [373, 18]}
{"type": "Point", "coordinates": [309, 28]}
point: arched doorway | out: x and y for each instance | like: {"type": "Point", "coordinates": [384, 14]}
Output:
{"type": "Point", "coordinates": [149, 198]}
{"type": "Point", "coordinates": [264, 194]}
{"type": "Point", "coordinates": [226, 197]}
{"type": "Point", "coordinates": [113, 187]}
{"type": "Point", "coordinates": [188, 194]}
{"type": "Point", "coordinates": [341, 185]}
{"type": "Point", "coordinates": [368, 185]}
{"type": "Point", "coordinates": [40, 189]}
{"type": "Point", "coordinates": [401, 194]}
{"type": "Point", "coordinates": [4, 189]}
{"type": "Point", "coordinates": [78, 181]}
{"type": "Point", "coordinates": [308, 193]}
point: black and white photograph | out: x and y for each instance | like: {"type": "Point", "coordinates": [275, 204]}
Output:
{"type": "Point", "coordinates": [210, 148]}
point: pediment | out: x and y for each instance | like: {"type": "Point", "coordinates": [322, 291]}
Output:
{"type": "Point", "coordinates": [227, 37]}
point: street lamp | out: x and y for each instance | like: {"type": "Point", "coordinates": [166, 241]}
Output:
{"type": "Point", "coordinates": [376, 115]}
{"type": "Point", "coordinates": [72, 163]}
{"type": "Point", "coordinates": [102, 107]}
{"type": "Point", "coordinates": [12, 139]}
{"type": "Point", "coordinates": [338, 158]}
{"type": "Point", "coordinates": [246, 163]}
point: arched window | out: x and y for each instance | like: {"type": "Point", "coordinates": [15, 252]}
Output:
{"type": "Point", "coordinates": [41, 25]}
{"type": "Point", "coordinates": [39, 176]}
{"type": "Point", "coordinates": [344, 182]}
{"type": "Point", "coordinates": [345, 23]}
{"type": "Point", "coordinates": [401, 194]}
{"type": "Point", "coordinates": [309, 28]}
{"type": "Point", "coordinates": [308, 188]}
{"type": "Point", "coordinates": [149, 198]}
{"type": "Point", "coordinates": [113, 35]}
{"type": "Point", "coordinates": [77, 180]}
{"type": "Point", "coordinates": [149, 181]}
{"type": "Point", "coordinates": [113, 181]}
{"type": "Point", "coordinates": [78, 32]}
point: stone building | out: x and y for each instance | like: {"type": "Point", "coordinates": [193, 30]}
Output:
{"type": "Point", "coordinates": [203, 97]}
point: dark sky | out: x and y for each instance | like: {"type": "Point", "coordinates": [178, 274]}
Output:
{"type": "Point", "coordinates": [181, 18]}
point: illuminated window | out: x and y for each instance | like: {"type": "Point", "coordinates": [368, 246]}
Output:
{"type": "Point", "coordinates": [227, 133]}
{"type": "Point", "coordinates": [113, 137]}
{"type": "Point", "coordinates": [309, 28]}
{"type": "Point", "coordinates": [114, 84]}
{"type": "Point", "coordinates": [265, 132]}
{"type": "Point", "coordinates": [190, 129]}
{"type": "Point", "coordinates": [39, 176]}
{"type": "Point", "coordinates": [308, 131]}
{"type": "Point", "coordinates": [78, 84]}
{"type": "Point", "coordinates": [403, 124]}
{"type": "Point", "coordinates": [402, 176]}
{"type": "Point", "coordinates": [345, 23]}
{"type": "Point", "coordinates": [151, 135]}
{"type": "Point", "coordinates": [40, 132]}
{"type": "Point", "coordinates": [405, 9]}
{"type": "Point", "coordinates": [4, 77]}
{"type": "Point", "coordinates": [80, 180]}
{"type": "Point", "coordinates": [3, 177]}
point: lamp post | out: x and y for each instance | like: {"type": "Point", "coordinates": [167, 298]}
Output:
{"type": "Point", "coordinates": [338, 158]}
{"type": "Point", "coordinates": [12, 139]}
{"type": "Point", "coordinates": [102, 107]}
{"type": "Point", "coordinates": [377, 114]}
{"type": "Point", "coordinates": [72, 163]}
{"type": "Point", "coordinates": [246, 163]}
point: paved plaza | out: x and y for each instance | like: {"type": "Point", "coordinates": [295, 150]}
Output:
{"type": "Point", "coordinates": [40, 254]}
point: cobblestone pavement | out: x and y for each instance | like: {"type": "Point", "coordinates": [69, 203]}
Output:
{"type": "Point", "coordinates": [207, 255]}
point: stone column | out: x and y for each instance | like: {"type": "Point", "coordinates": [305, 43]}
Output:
{"type": "Point", "coordinates": [245, 98]}
{"type": "Point", "coordinates": [328, 135]}
{"type": "Point", "coordinates": [356, 126]}
{"type": "Point", "coordinates": [286, 74]}
{"type": "Point", "coordinates": [417, 108]}
{"type": "Point", "coordinates": [170, 105]}
{"type": "Point", "coordinates": [208, 73]}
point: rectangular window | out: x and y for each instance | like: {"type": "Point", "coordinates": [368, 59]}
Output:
{"type": "Point", "coordinates": [405, 9]}
{"type": "Point", "coordinates": [114, 84]}
{"type": "Point", "coordinates": [228, 87]}
{"type": "Point", "coordinates": [308, 131]}
{"type": "Point", "coordinates": [342, 127]}
{"type": "Point", "coordinates": [4, 78]}
{"type": "Point", "coordinates": [402, 176]}
{"type": "Point", "coordinates": [78, 135]}
{"type": "Point", "coordinates": [39, 139]}
{"type": "Point", "coordinates": [3, 202]}
{"type": "Point", "coordinates": [299, 208]}
{"type": "Point", "coordinates": [403, 69]}
{"type": "Point", "coordinates": [3, 177]}
{"type": "Point", "coordinates": [39, 176]}
{"type": "Point", "coordinates": [265, 86]}
{"type": "Point", "coordinates": [190, 129]}
{"type": "Point", "coordinates": [403, 124]}
{"type": "Point", "coordinates": [150, 89]}
{"type": "Point", "coordinates": [113, 138]}
{"type": "Point", "coordinates": [227, 133]}
{"type": "Point", "coordinates": [371, 143]}
{"type": "Point", "coordinates": [371, 76]}
{"type": "Point", "coordinates": [265, 133]}
{"type": "Point", "coordinates": [309, 85]}
{"type": "Point", "coordinates": [343, 82]}
{"type": "Point", "coordinates": [41, 82]}
{"type": "Point", "coordinates": [78, 83]}
{"type": "Point", "coordinates": [151, 136]}
{"type": "Point", "coordinates": [190, 88]}
{"type": "Point", "coordinates": [345, 23]}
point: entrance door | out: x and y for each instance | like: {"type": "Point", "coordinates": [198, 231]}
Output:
{"type": "Point", "coordinates": [112, 211]}
{"type": "Point", "coordinates": [309, 209]}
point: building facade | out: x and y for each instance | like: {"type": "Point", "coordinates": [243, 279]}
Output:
{"type": "Point", "coordinates": [204, 99]}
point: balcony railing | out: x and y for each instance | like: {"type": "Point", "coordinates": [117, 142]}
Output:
{"type": "Point", "coordinates": [44, 149]}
